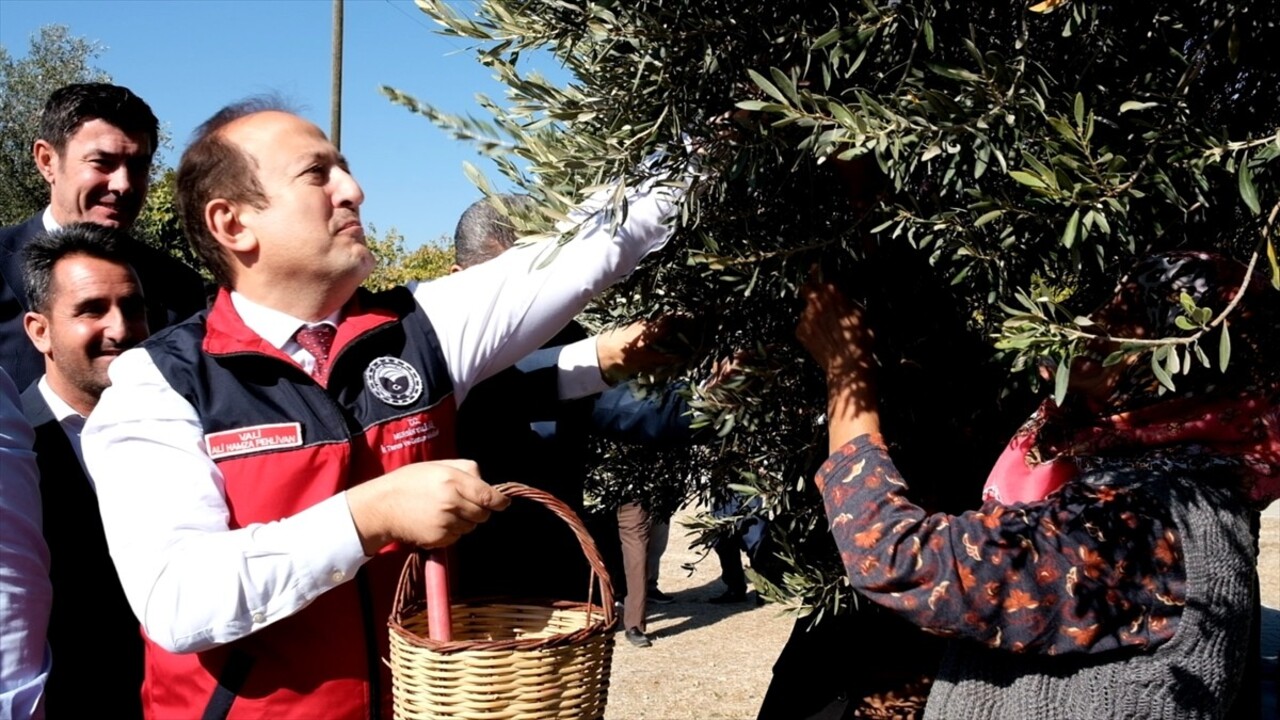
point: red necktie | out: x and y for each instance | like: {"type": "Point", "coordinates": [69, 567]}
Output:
{"type": "Point", "coordinates": [317, 341]}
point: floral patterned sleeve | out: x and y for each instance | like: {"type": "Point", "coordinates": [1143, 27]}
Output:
{"type": "Point", "coordinates": [1089, 569]}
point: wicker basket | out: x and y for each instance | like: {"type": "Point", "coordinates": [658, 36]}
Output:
{"type": "Point", "coordinates": [507, 660]}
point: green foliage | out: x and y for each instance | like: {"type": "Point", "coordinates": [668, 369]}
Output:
{"type": "Point", "coordinates": [397, 266]}
{"type": "Point", "coordinates": [997, 165]}
{"type": "Point", "coordinates": [159, 223]}
{"type": "Point", "coordinates": [54, 58]}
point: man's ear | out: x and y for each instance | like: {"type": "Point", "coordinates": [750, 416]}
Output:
{"type": "Point", "coordinates": [45, 158]}
{"type": "Point", "coordinates": [455, 268]}
{"type": "Point", "coordinates": [37, 327]}
{"type": "Point", "coordinates": [222, 217]}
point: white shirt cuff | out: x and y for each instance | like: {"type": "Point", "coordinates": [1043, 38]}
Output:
{"type": "Point", "coordinates": [579, 370]}
{"type": "Point", "coordinates": [338, 558]}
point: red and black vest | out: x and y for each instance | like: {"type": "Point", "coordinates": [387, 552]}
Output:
{"type": "Point", "coordinates": [284, 442]}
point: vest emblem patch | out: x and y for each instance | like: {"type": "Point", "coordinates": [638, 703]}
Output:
{"type": "Point", "coordinates": [393, 381]}
{"type": "Point", "coordinates": [241, 441]}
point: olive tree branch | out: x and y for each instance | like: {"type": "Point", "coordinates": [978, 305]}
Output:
{"type": "Point", "coordinates": [1074, 333]}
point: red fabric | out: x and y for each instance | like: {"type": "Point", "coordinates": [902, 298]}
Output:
{"type": "Point", "coordinates": [315, 663]}
{"type": "Point", "coordinates": [1016, 478]}
{"type": "Point", "coordinates": [317, 340]}
{"type": "Point", "coordinates": [226, 333]}
{"type": "Point", "coordinates": [1244, 426]}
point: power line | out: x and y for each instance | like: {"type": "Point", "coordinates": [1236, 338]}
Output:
{"type": "Point", "coordinates": [415, 20]}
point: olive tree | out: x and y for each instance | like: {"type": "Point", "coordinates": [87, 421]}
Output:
{"type": "Point", "coordinates": [54, 58]}
{"type": "Point", "coordinates": [978, 172]}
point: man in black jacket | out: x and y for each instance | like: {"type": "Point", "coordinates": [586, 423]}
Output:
{"type": "Point", "coordinates": [94, 149]}
{"type": "Point", "coordinates": [532, 422]}
{"type": "Point", "coordinates": [86, 308]}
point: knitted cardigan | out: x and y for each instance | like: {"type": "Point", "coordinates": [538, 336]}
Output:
{"type": "Point", "coordinates": [1196, 674]}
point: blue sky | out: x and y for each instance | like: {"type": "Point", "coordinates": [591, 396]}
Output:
{"type": "Point", "coordinates": [187, 58]}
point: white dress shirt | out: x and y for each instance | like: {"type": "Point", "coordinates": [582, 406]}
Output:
{"type": "Point", "coordinates": [50, 224]}
{"type": "Point", "coordinates": [577, 364]}
{"type": "Point", "coordinates": [26, 595]}
{"type": "Point", "coordinates": [578, 370]}
{"type": "Point", "coordinates": [193, 582]}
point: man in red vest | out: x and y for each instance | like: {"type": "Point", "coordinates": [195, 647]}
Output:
{"type": "Point", "coordinates": [261, 467]}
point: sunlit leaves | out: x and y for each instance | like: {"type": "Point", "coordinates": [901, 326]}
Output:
{"type": "Point", "coordinates": [1224, 348]}
{"type": "Point", "coordinates": [1025, 158]}
{"type": "Point", "coordinates": [54, 57]}
{"type": "Point", "coordinates": [394, 265]}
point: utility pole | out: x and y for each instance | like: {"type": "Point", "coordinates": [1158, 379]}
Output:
{"type": "Point", "coordinates": [335, 103]}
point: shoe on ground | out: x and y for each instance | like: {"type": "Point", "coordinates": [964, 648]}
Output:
{"type": "Point", "coordinates": [636, 637]}
{"type": "Point", "coordinates": [657, 596]}
{"type": "Point", "coordinates": [729, 596]}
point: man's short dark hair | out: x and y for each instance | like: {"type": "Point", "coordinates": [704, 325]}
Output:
{"type": "Point", "coordinates": [71, 106]}
{"type": "Point", "coordinates": [213, 167]}
{"type": "Point", "coordinates": [484, 232]}
{"type": "Point", "coordinates": [43, 253]}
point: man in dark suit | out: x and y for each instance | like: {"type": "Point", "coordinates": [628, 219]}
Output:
{"type": "Point", "coordinates": [86, 308]}
{"type": "Point", "coordinates": [531, 423]}
{"type": "Point", "coordinates": [95, 147]}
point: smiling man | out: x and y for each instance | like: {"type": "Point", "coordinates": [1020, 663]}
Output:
{"type": "Point", "coordinates": [95, 148]}
{"type": "Point", "coordinates": [86, 309]}
{"type": "Point", "coordinates": [263, 467]}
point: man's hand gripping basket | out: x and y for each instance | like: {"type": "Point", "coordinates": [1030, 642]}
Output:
{"type": "Point", "coordinates": [506, 660]}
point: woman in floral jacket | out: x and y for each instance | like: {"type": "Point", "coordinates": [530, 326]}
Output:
{"type": "Point", "coordinates": [1110, 570]}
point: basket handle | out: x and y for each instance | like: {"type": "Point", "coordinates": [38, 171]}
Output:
{"type": "Point", "coordinates": [435, 568]}
{"type": "Point", "coordinates": [413, 574]}
{"type": "Point", "coordinates": [599, 575]}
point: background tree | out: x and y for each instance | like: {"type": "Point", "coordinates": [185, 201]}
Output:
{"type": "Point", "coordinates": [979, 172]}
{"type": "Point", "coordinates": [160, 225]}
{"type": "Point", "coordinates": [397, 266]}
{"type": "Point", "coordinates": [54, 58]}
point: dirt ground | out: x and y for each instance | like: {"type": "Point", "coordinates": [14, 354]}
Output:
{"type": "Point", "coordinates": [713, 661]}
{"type": "Point", "coordinates": [707, 661]}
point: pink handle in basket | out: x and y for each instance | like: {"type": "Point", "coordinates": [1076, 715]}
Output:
{"type": "Point", "coordinates": [435, 569]}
